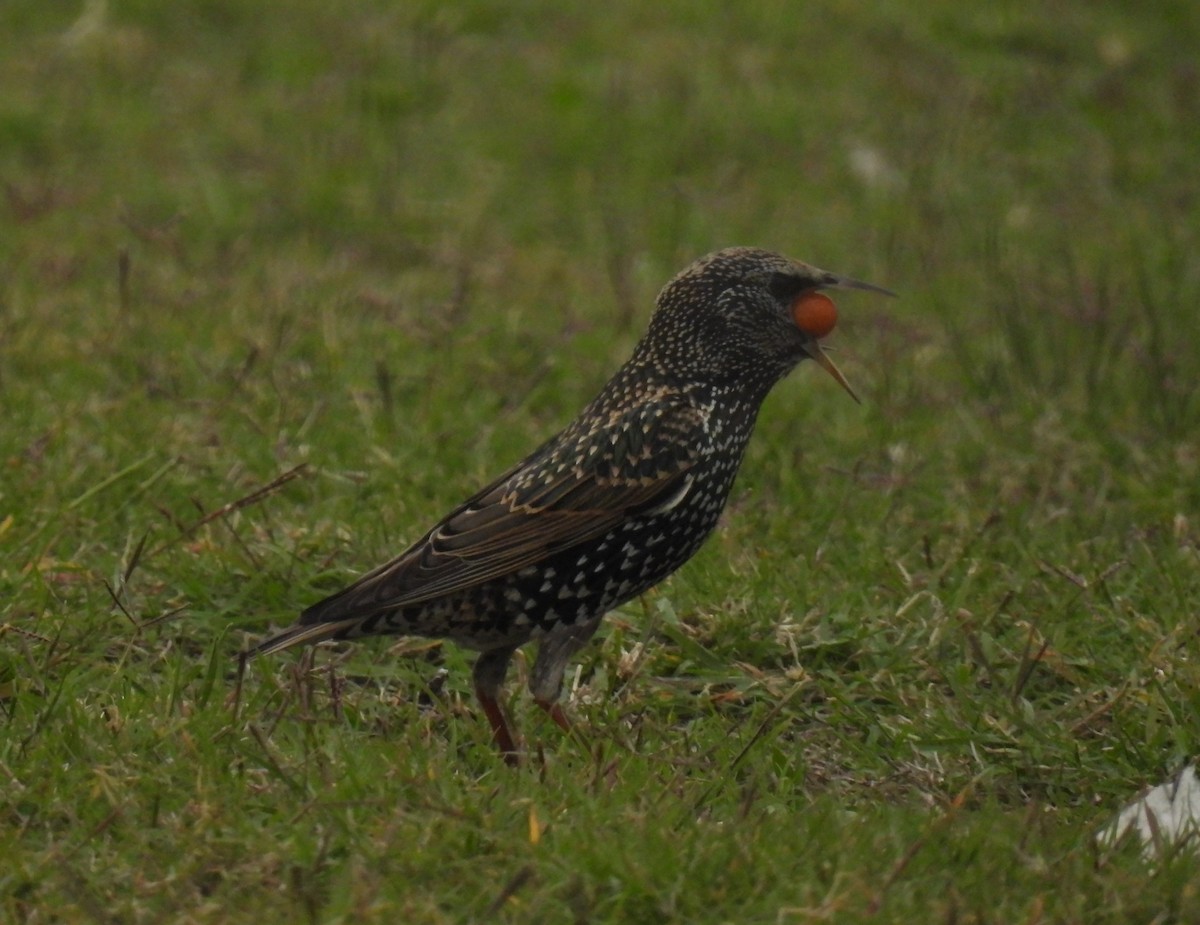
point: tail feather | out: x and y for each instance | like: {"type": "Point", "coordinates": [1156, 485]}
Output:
{"type": "Point", "coordinates": [304, 635]}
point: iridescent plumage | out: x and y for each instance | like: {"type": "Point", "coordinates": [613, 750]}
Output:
{"type": "Point", "coordinates": [609, 507]}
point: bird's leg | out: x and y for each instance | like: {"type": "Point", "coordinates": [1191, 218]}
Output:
{"type": "Point", "coordinates": [488, 674]}
{"type": "Point", "coordinates": [546, 678]}
{"type": "Point", "coordinates": [555, 711]}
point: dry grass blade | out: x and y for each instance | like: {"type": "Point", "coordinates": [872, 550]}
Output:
{"type": "Point", "coordinates": [520, 879]}
{"type": "Point", "coordinates": [259, 494]}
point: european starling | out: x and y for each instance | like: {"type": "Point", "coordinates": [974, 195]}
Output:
{"type": "Point", "coordinates": [614, 503]}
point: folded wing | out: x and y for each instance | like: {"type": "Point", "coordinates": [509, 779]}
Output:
{"type": "Point", "coordinates": [577, 487]}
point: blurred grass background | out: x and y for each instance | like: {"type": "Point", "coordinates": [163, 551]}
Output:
{"type": "Point", "coordinates": [939, 638]}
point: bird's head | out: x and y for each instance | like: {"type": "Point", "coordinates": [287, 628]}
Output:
{"type": "Point", "coordinates": [746, 315]}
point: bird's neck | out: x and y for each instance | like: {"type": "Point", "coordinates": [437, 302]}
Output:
{"type": "Point", "coordinates": [702, 372]}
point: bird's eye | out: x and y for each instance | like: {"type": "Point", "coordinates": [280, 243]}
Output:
{"type": "Point", "coordinates": [785, 286]}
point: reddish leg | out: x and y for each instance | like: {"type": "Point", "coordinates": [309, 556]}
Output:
{"type": "Point", "coordinates": [554, 709]}
{"type": "Point", "coordinates": [500, 734]}
{"type": "Point", "coordinates": [546, 679]}
{"type": "Point", "coordinates": [489, 672]}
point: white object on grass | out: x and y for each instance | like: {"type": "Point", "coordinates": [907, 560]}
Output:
{"type": "Point", "coordinates": [1163, 817]}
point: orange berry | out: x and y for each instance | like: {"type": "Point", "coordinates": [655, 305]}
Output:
{"type": "Point", "coordinates": [814, 313]}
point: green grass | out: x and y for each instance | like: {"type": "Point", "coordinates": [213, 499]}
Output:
{"type": "Point", "coordinates": [938, 640]}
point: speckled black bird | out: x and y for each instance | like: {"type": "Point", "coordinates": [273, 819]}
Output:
{"type": "Point", "coordinates": [614, 503]}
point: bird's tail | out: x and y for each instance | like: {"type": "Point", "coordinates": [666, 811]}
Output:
{"type": "Point", "coordinates": [304, 635]}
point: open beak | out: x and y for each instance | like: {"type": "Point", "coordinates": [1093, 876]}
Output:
{"type": "Point", "coordinates": [833, 281]}
{"type": "Point", "coordinates": [813, 349]}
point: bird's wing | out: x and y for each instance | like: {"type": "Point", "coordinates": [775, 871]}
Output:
{"type": "Point", "coordinates": [575, 488]}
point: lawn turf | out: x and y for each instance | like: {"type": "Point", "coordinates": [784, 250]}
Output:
{"type": "Point", "coordinates": [280, 285]}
